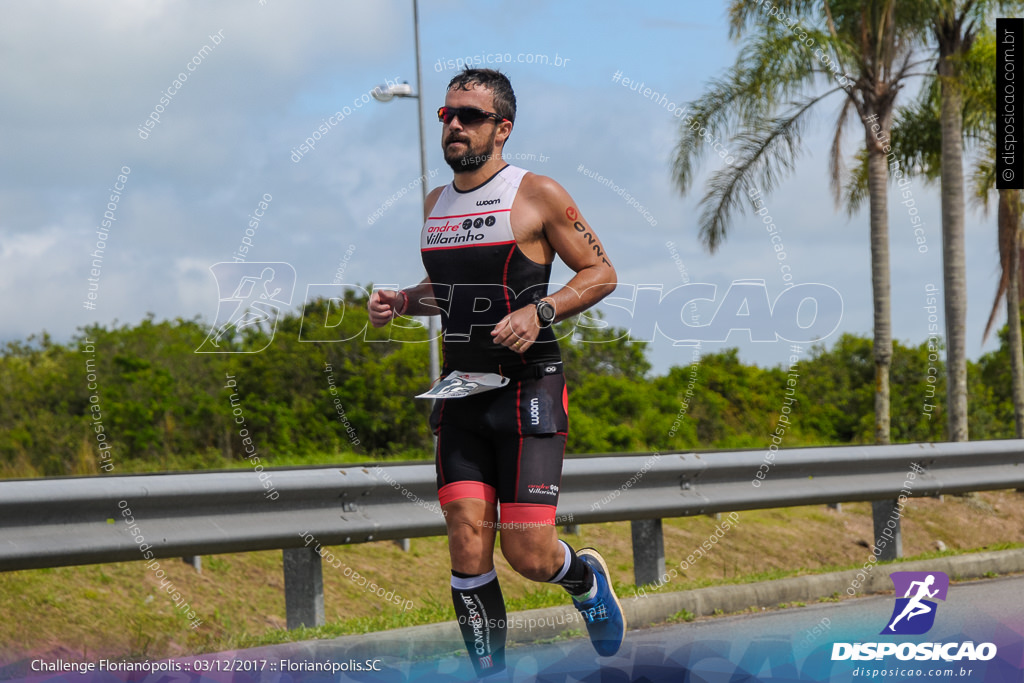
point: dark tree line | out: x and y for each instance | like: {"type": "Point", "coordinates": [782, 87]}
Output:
{"type": "Point", "coordinates": [144, 391]}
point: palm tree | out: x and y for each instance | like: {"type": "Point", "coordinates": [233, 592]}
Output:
{"type": "Point", "coordinates": [1010, 246]}
{"type": "Point", "coordinates": [784, 70]}
{"type": "Point", "coordinates": [1008, 217]}
{"type": "Point", "coordinates": [917, 141]}
{"type": "Point", "coordinates": [954, 30]}
{"type": "Point", "coordinates": [1009, 212]}
{"type": "Point", "coordinates": [955, 24]}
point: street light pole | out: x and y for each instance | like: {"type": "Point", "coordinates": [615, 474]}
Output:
{"type": "Point", "coordinates": [435, 366]}
{"type": "Point", "coordinates": [385, 93]}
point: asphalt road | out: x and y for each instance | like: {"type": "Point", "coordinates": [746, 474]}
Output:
{"type": "Point", "coordinates": [794, 644]}
{"type": "Point", "coordinates": [777, 645]}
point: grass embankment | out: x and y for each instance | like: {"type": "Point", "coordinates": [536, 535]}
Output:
{"type": "Point", "coordinates": [119, 610]}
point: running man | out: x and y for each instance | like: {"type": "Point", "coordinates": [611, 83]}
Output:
{"type": "Point", "coordinates": [253, 307]}
{"type": "Point", "coordinates": [915, 607]}
{"type": "Point", "coordinates": [487, 246]}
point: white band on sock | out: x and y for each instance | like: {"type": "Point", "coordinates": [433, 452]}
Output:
{"type": "Point", "coordinates": [565, 565]}
{"type": "Point", "coordinates": [472, 582]}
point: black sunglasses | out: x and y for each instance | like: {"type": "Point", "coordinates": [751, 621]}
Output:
{"type": "Point", "coordinates": [467, 115]}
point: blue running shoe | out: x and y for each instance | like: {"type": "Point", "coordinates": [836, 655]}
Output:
{"type": "Point", "coordinates": [603, 613]}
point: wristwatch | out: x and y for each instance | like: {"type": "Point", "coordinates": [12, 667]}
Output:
{"type": "Point", "coordinates": [545, 313]}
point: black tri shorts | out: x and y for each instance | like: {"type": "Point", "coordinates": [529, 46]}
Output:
{"type": "Point", "coordinates": [505, 445]}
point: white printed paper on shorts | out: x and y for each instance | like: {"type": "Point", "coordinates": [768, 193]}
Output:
{"type": "Point", "coordinates": [462, 384]}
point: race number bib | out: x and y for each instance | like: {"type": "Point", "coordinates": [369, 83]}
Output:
{"type": "Point", "coordinates": [462, 384]}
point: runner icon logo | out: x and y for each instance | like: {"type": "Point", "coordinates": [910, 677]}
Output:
{"type": "Point", "coordinates": [914, 613]}
{"type": "Point", "coordinates": [259, 292]}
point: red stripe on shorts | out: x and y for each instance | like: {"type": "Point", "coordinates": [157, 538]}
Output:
{"type": "Point", "coordinates": [527, 513]}
{"type": "Point", "coordinates": [466, 489]}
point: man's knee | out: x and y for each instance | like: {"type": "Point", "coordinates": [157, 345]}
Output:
{"type": "Point", "coordinates": [530, 558]}
{"type": "Point", "coordinates": [465, 532]}
{"type": "Point", "coordinates": [470, 537]}
{"type": "Point", "coordinates": [530, 565]}
{"type": "Point", "coordinates": [470, 553]}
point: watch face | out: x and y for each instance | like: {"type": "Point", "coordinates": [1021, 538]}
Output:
{"type": "Point", "coordinates": [546, 312]}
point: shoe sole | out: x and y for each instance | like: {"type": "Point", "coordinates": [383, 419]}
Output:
{"type": "Point", "coordinates": [611, 589]}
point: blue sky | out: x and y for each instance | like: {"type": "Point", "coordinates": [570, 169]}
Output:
{"type": "Point", "coordinates": [87, 75]}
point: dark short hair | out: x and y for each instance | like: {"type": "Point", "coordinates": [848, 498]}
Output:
{"type": "Point", "coordinates": [496, 82]}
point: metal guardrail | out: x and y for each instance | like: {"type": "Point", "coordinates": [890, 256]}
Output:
{"type": "Point", "coordinates": [73, 521]}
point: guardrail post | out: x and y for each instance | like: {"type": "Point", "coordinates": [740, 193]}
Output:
{"type": "Point", "coordinates": [303, 588]}
{"type": "Point", "coordinates": [885, 515]}
{"type": "Point", "coordinates": [648, 551]}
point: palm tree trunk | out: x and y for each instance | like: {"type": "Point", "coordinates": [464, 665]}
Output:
{"type": "Point", "coordinates": [953, 268]}
{"type": "Point", "coordinates": [878, 184]}
{"type": "Point", "coordinates": [1009, 220]}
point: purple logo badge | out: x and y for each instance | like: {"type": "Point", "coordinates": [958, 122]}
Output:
{"type": "Point", "coordinates": [914, 612]}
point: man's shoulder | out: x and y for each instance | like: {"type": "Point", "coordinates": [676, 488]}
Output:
{"type": "Point", "coordinates": [541, 188]}
{"type": "Point", "coordinates": [432, 198]}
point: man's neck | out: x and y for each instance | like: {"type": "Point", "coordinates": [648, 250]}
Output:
{"type": "Point", "coordinates": [467, 181]}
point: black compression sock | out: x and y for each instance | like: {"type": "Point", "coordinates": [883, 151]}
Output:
{"type": "Point", "coordinates": [575, 576]}
{"type": "Point", "coordinates": [480, 609]}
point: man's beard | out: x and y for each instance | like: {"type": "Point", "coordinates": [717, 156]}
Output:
{"type": "Point", "coordinates": [471, 159]}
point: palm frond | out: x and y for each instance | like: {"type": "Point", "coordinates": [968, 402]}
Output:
{"type": "Point", "coordinates": [836, 168]}
{"type": "Point", "coordinates": [768, 73]}
{"type": "Point", "coordinates": [765, 153]}
{"type": "Point", "coordinates": [785, 68]}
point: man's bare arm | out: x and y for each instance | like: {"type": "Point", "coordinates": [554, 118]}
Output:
{"type": "Point", "coordinates": [578, 246]}
{"type": "Point", "coordinates": [421, 299]}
